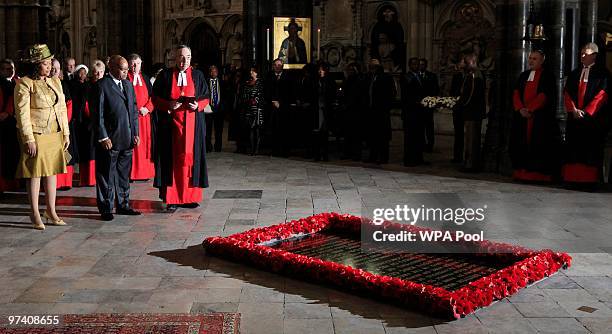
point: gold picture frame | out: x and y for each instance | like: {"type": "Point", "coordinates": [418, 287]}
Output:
{"type": "Point", "coordinates": [281, 33]}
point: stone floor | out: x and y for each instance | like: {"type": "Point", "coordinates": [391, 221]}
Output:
{"type": "Point", "coordinates": [155, 263]}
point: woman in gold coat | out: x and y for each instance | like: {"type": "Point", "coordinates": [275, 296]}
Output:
{"type": "Point", "coordinates": [42, 123]}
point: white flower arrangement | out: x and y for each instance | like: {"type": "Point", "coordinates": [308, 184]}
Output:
{"type": "Point", "coordinates": [439, 102]}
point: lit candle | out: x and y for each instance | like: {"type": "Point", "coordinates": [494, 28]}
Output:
{"type": "Point", "coordinates": [318, 43]}
{"type": "Point", "coordinates": [268, 44]}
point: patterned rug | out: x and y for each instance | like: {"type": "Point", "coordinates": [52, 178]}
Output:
{"type": "Point", "coordinates": [211, 323]}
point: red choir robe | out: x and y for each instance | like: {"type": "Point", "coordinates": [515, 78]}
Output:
{"type": "Point", "coordinates": [143, 166]}
{"type": "Point", "coordinates": [64, 181]}
{"type": "Point", "coordinates": [181, 169]}
{"type": "Point", "coordinates": [9, 146]}
{"type": "Point", "coordinates": [585, 138]}
{"type": "Point", "coordinates": [534, 141]}
{"type": "Point", "coordinates": [87, 168]}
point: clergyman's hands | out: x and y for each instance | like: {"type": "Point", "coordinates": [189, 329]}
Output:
{"type": "Point", "coordinates": [174, 105]}
{"type": "Point", "coordinates": [578, 114]}
{"type": "Point", "coordinates": [525, 113]}
{"type": "Point", "coordinates": [136, 140]}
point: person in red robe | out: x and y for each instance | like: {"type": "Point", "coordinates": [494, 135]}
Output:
{"type": "Point", "coordinates": [180, 95]}
{"type": "Point", "coordinates": [64, 181]}
{"type": "Point", "coordinates": [586, 95]}
{"type": "Point", "coordinates": [143, 167]}
{"type": "Point", "coordinates": [9, 147]}
{"type": "Point", "coordinates": [79, 91]}
{"type": "Point", "coordinates": [535, 136]}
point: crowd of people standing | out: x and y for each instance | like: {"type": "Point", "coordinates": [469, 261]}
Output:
{"type": "Point", "coordinates": [120, 125]}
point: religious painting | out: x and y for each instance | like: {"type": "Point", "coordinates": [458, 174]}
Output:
{"type": "Point", "coordinates": [387, 40]}
{"type": "Point", "coordinates": [292, 41]}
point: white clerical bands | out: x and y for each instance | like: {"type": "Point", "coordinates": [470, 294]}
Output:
{"type": "Point", "coordinates": [182, 79]}
{"type": "Point", "coordinates": [531, 76]}
{"type": "Point", "coordinates": [584, 77]}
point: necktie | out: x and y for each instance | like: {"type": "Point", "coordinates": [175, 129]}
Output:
{"type": "Point", "coordinates": [215, 95]}
{"type": "Point", "coordinates": [120, 86]}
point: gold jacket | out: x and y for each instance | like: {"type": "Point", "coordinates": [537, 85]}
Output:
{"type": "Point", "coordinates": [35, 107]}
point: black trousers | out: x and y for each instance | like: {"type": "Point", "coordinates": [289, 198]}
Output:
{"type": "Point", "coordinates": [113, 168]}
{"type": "Point", "coordinates": [379, 150]}
{"type": "Point", "coordinates": [414, 137]}
{"type": "Point", "coordinates": [458, 126]}
{"type": "Point", "coordinates": [320, 144]}
{"type": "Point", "coordinates": [280, 132]}
{"type": "Point", "coordinates": [472, 145]}
{"type": "Point", "coordinates": [216, 121]}
{"type": "Point", "coordinates": [428, 114]}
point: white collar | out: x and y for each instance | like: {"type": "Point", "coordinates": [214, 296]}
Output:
{"type": "Point", "coordinates": [117, 81]}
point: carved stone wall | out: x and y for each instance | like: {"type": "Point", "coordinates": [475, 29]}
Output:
{"type": "Point", "coordinates": [466, 26]}
{"type": "Point", "coordinates": [93, 29]}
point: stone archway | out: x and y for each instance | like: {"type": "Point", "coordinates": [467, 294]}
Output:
{"type": "Point", "coordinates": [204, 43]}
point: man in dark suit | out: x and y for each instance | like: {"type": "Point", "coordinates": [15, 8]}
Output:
{"type": "Point", "coordinates": [217, 117]}
{"type": "Point", "coordinates": [413, 114]}
{"type": "Point", "coordinates": [473, 107]}
{"type": "Point", "coordinates": [455, 91]}
{"type": "Point", "coordinates": [278, 96]}
{"type": "Point", "coordinates": [431, 88]}
{"type": "Point", "coordinates": [115, 121]}
{"type": "Point", "coordinates": [379, 96]}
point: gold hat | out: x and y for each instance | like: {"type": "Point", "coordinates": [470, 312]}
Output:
{"type": "Point", "coordinates": [36, 53]}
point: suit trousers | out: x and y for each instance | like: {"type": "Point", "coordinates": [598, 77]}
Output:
{"type": "Point", "coordinates": [472, 145]}
{"type": "Point", "coordinates": [429, 129]}
{"type": "Point", "coordinates": [458, 126]}
{"type": "Point", "coordinates": [215, 120]}
{"type": "Point", "coordinates": [113, 168]}
{"type": "Point", "coordinates": [414, 136]}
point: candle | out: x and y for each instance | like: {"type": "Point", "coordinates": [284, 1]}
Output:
{"type": "Point", "coordinates": [268, 44]}
{"type": "Point", "coordinates": [318, 43]}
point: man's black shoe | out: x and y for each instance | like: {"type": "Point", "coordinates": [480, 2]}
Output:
{"type": "Point", "coordinates": [107, 217]}
{"type": "Point", "coordinates": [128, 212]}
{"type": "Point", "coordinates": [190, 205]}
{"type": "Point", "coordinates": [171, 208]}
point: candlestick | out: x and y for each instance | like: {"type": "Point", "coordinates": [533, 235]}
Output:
{"type": "Point", "coordinates": [268, 44]}
{"type": "Point", "coordinates": [318, 43]}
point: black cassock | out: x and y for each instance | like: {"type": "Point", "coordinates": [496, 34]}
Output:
{"type": "Point", "coordinates": [585, 138]}
{"type": "Point", "coordinates": [534, 148]}
{"type": "Point", "coordinates": [162, 89]}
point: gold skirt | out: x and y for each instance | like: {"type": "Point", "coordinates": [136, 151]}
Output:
{"type": "Point", "coordinates": [49, 159]}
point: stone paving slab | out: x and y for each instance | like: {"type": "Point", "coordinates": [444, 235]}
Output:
{"type": "Point", "coordinates": [155, 262]}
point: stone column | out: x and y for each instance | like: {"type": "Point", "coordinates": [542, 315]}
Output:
{"type": "Point", "coordinates": [588, 21]}
{"type": "Point", "coordinates": [511, 58]}
{"type": "Point", "coordinates": [556, 27]}
{"type": "Point", "coordinates": [250, 28]}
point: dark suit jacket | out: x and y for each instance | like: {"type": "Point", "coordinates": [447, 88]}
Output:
{"type": "Point", "coordinates": [278, 90]}
{"type": "Point", "coordinates": [115, 114]}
